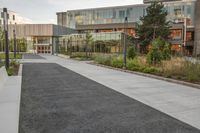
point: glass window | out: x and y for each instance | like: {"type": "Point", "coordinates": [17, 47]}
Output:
{"type": "Point", "coordinates": [121, 14]}
{"type": "Point", "coordinates": [188, 10]}
{"type": "Point", "coordinates": [177, 11]}
{"type": "Point", "coordinates": [189, 36]}
{"type": "Point", "coordinates": [176, 34]}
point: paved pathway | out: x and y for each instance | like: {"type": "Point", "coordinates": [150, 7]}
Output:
{"type": "Point", "coordinates": [32, 56]}
{"type": "Point", "coordinates": [9, 103]}
{"type": "Point", "coordinates": [179, 101]}
{"type": "Point", "coordinates": [58, 100]}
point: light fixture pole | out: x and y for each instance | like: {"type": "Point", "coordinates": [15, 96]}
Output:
{"type": "Point", "coordinates": [57, 46]}
{"type": "Point", "coordinates": [5, 23]}
{"type": "Point", "coordinates": [14, 37]}
{"type": "Point", "coordinates": [125, 39]}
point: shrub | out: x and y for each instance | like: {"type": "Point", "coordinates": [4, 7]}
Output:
{"type": "Point", "coordinates": [154, 56]}
{"type": "Point", "coordinates": [150, 70]}
{"type": "Point", "coordinates": [131, 52]}
{"type": "Point", "coordinates": [81, 56]}
{"type": "Point", "coordinates": [166, 53]}
{"type": "Point", "coordinates": [103, 59]}
{"type": "Point", "coordinates": [133, 65]}
{"type": "Point", "coordinates": [160, 51]}
{"type": "Point", "coordinates": [14, 63]}
{"type": "Point", "coordinates": [117, 62]}
{"type": "Point", "coordinates": [78, 55]}
{"type": "Point", "coordinates": [10, 71]}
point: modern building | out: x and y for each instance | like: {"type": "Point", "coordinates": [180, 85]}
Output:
{"type": "Point", "coordinates": [197, 29]}
{"type": "Point", "coordinates": [182, 14]}
{"type": "Point", "coordinates": [149, 1]}
{"type": "Point", "coordinates": [40, 38]}
{"type": "Point", "coordinates": [104, 42]}
{"type": "Point", "coordinates": [14, 18]}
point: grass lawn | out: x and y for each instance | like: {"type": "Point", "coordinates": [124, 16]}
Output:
{"type": "Point", "coordinates": [11, 56]}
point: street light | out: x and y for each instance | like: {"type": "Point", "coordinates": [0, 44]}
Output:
{"type": "Point", "coordinates": [14, 37]}
{"type": "Point", "coordinates": [57, 46]}
{"type": "Point", "coordinates": [5, 23]}
{"type": "Point", "coordinates": [125, 35]}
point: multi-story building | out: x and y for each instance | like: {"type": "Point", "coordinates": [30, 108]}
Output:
{"type": "Point", "coordinates": [14, 18]}
{"type": "Point", "coordinates": [149, 1]}
{"type": "Point", "coordinates": [181, 14]}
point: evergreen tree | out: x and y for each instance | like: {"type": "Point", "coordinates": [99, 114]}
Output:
{"type": "Point", "coordinates": [153, 25]}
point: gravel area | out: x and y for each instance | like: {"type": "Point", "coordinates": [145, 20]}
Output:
{"type": "Point", "coordinates": [57, 100]}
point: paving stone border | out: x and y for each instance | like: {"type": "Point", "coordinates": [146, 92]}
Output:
{"type": "Point", "coordinates": [149, 75]}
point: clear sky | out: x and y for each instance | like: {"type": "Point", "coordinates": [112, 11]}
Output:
{"type": "Point", "coordinates": [44, 11]}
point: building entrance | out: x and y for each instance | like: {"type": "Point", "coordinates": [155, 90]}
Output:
{"type": "Point", "coordinates": [43, 49]}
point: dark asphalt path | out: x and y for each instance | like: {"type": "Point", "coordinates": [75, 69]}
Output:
{"type": "Point", "coordinates": [57, 100]}
{"type": "Point", "coordinates": [32, 56]}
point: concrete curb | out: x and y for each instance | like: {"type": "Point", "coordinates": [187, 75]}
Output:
{"type": "Point", "coordinates": [3, 76]}
{"type": "Point", "coordinates": [20, 75]}
{"type": "Point", "coordinates": [150, 76]}
{"type": "Point", "coordinates": [20, 70]}
{"type": "Point", "coordinates": [63, 56]}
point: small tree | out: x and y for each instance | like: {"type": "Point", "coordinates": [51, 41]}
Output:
{"type": "Point", "coordinates": [160, 51]}
{"type": "Point", "coordinates": [166, 54]}
{"type": "Point", "coordinates": [153, 25]}
{"type": "Point", "coordinates": [154, 56]}
{"type": "Point", "coordinates": [131, 52]}
{"type": "Point", "coordinates": [89, 43]}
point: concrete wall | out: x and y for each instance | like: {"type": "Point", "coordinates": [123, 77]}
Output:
{"type": "Point", "coordinates": [197, 29]}
{"type": "Point", "coordinates": [25, 30]}
{"type": "Point", "coordinates": [28, 30]}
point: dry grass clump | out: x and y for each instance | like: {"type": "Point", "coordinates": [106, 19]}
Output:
{"type": "Point", "coordinates": [180, 68]}
{"type": "Point", "coordinates": [175, 66]}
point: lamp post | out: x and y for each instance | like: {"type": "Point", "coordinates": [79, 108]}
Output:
{"type": "Point", "coordinates": [5, 23]}
{"type": "Point", "coordinates": [57, 46]}
{"type": "Point", "coordinates": [125, 39]}
{"type": "Point", "coordinates": [14, 37]}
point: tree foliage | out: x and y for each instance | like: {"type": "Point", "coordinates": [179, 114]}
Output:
{"type": "Point", "coordinates": [89, 43]}
{"type": "Point", "coordinates": [153, 25]}
{"type": "Point", "coordinates": [1, 39]}
{"type": "Point", "coordinates": [159, 51]}
{"type": "Point", "coordinates": [131, 52]}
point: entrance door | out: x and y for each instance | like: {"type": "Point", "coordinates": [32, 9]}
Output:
{"type": "Point", "coordinates": [43, 49]}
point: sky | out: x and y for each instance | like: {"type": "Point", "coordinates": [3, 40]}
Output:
{"type": "Point", "coordinates": [44, 11]}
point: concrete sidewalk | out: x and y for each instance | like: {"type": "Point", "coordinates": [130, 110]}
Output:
{"type": "Point", "coordinates": [176, 100]}
{"type": "Point", "coordinates": [9, 104]}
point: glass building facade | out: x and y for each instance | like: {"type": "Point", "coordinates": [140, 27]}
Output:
{"type": "Point", "coordinates": [149, 1]}
{"type": "Point", "coordinates": [109, 42]}
{"type": "Point", "coordinates": [181, 14]}
{"type": "Point", "coordinates": [177, 11]}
